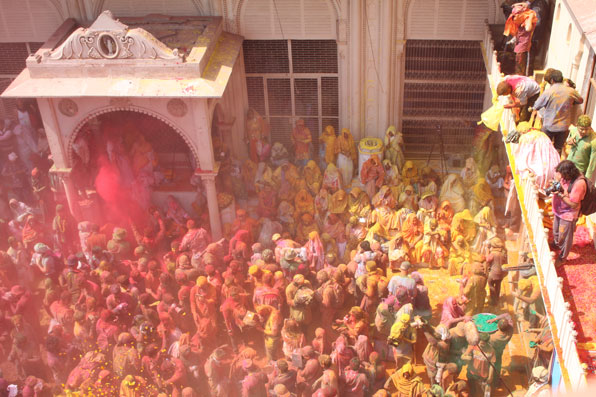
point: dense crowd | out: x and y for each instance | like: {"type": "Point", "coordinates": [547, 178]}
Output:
{"type": "Point", "coordinates": [316, 289]}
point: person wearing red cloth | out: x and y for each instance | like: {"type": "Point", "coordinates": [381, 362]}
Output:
{"type": "Point", "coordinates": [203, 298]}
{"type": "Point", "coordinates": [521, 24]}
{"type": "Point", "coordinates": [196, 238]}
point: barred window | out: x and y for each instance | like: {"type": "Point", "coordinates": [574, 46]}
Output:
{"type": "Point", "coordinates": [291, 79]}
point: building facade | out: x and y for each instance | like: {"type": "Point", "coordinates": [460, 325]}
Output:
{"type": "Point", "coordinates": [362, 65]}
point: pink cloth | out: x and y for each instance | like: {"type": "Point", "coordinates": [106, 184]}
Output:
{"type": "Point", "coordinates": [451, 310]}
{"type": "Point", "coordinates": [536, 154]}
{"type": "Point", "coordinates": [315, 253]}
{"type": "Point", "coordinates": [562, 210]}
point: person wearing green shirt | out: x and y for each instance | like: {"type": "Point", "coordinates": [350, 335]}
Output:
{"type": "Point", "coordinates": [582, 147]}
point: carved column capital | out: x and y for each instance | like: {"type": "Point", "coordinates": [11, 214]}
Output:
{"type": "Point", "coordinates": [208, 178]}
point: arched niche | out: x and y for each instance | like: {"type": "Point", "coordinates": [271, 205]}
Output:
{"type": "Point", "coordinates": [287, 19]}
{"type": "Point", "coordinates": [135, 8]}
{"type": "Point", "coordinates": [30, 20]}
{"type": "Point", "coordinates": [449, 19]}
{"type": "Point", "coordinates": [133, 109]}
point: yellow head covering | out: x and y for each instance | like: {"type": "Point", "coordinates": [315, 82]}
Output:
{"type": "Point", "coordinates": [482, 191]}
{"type": "Point", "coordinates": [338, 202]}
{"type": "Point", "coordinates": [407, 368]}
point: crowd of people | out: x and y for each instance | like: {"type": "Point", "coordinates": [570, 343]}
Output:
{"type": "Point", "coordinates": [318, 286]}
{"type": "Point", "coordinates": [317, 289]}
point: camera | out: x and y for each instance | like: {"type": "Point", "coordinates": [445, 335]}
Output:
{"type": "Point", "coordinates": [555, 187]}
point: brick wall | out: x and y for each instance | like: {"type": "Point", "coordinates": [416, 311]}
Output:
{"type": "Point", "coordinates": [13, 57]}
{"type": "Point", "coordinates": [12, 62]}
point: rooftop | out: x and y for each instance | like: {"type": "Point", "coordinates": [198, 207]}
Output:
{"type": "Point", "coordinates": [155, 56]}
{"type": "Point", "coordinates": [584, 11]}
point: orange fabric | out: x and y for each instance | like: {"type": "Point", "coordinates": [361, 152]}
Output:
{"type": "Point", "coordinates": [301, 138]}
{"type": "Point", "coordinates": [328, 137]}
{"type": "Point", "coordinates": [338, 202]}
{"type": "Point", "coordinates": [526, 18]}
{"type": "Point", "coordinates": [445, 214]}
{"type": "Point", "coordinates": [303, 203]}
{"type": "Point", "coordinates": [373, 170]}
{"type": "Point", "coordinates": [463, 225]}
{"type": "Point", "coordinates": [409, 173]}
{"type": "Point", "coordinates": [344, 144]}
{"type": "Point", "coordinates": [357, 202]}
{"type": "Point", "coordinates": [313, 176]}
{"type": "Point", "coordinates": [411, 230]}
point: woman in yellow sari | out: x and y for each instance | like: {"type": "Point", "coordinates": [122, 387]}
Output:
{"type": "Point", "coordinates": [459, 255]}
{"type": "Point", "coordinates": [445, 214]}
{"type": "Point", "coordinates": [249, 171]}
{"type": "Point", "coordinates": [393, 178]}
{"type": "Point", "coordinates": [409, 174]}
{"type": "Point", "coordinates": [444, 217]}
{"type": "Point", "coordinates": [257, 130]}
{"type": "Point", "coordinates": [332, 179]}
{"type": "Point", "coordinates": [305, 227]}
{"type": "Point", "coordinates": [334, 227]}
{"type": "Point", "coordinates": [303, 204]}
{"type": "Point", "coordinates": [382, 225]}
{"type": "Point", "coordinates": [430, 248]}
{"type": "Point", "coordinates": [463, 225]}
{"type": "Point", "coordinates": [400, 217]}
{"type": "Point", "coordinates": [347, 158]}
{"type": "Point", "coordinates": [384, 198]}
{"type": "Point", "coordinates": [143, 156]}
{"type": "Point", "coordinates": [412, 230]}
{"type": "Point", "coordinates": [409, 199]}
{"type": "Point", "coordinates": [338, 204]}
{"type": "Point", "coordinates": [469, 174]}
{"type": "Point", "coordinates": [327, 145]}
{"type": "Point", "coordinates": [264, 176]}
{"type": "Point", "coordinates": [486, 230]}
{"type": "Point", "coordinates": [394, 143]}
{"type": "Point", "coordinates": [372, 175]}
{"type": "Point", "coordinates": [453, 191]}
{"type": "Point", "coordinates": [312, 176]}
{"type": "Point", "coordinates": [302, 141]}
{"type": "Point", "coordinates": [358, 203]}
{"type": "Point", "coordinates": [404, 382]}
{"type": "Point", "coordinates": [481, 197]}
{"type": "Point", "coordinates": [286, 178]}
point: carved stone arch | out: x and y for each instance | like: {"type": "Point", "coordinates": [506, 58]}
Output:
{"type": "Point", "coordinates": [495, 4]}
{"type": "Point", "coordinates": [58, 7]}
{"type": "Point", "coordinates": [334, 3]}
{"type": "Point", "coordinates": [99, 7]}
{"type": "Point", "coordinates": [127, 108]}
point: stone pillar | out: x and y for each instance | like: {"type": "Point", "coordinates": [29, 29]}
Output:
{"type": "Point", "coordinates": [214, 218]}
{"type": "Point", "coordinates": [61, 167]}
{"type": "Point", "coordinates": [72, 197]}
{"type": "Point", "coordinates": [71, 194]}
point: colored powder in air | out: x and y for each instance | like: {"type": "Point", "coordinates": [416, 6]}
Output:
{"type": "Point", "coordinates": [119, 202]}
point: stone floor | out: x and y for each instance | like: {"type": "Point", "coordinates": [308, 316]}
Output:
{"type": "Point", "coordinates": [516, 358]}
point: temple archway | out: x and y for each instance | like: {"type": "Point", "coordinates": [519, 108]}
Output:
{"type": "Point", "coordinates": [133, 152]}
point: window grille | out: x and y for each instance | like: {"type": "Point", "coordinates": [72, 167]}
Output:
{"type": "Point", "coordinates": [291, 79]}
{"type": "Point", "coordinates": [444, 85]}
